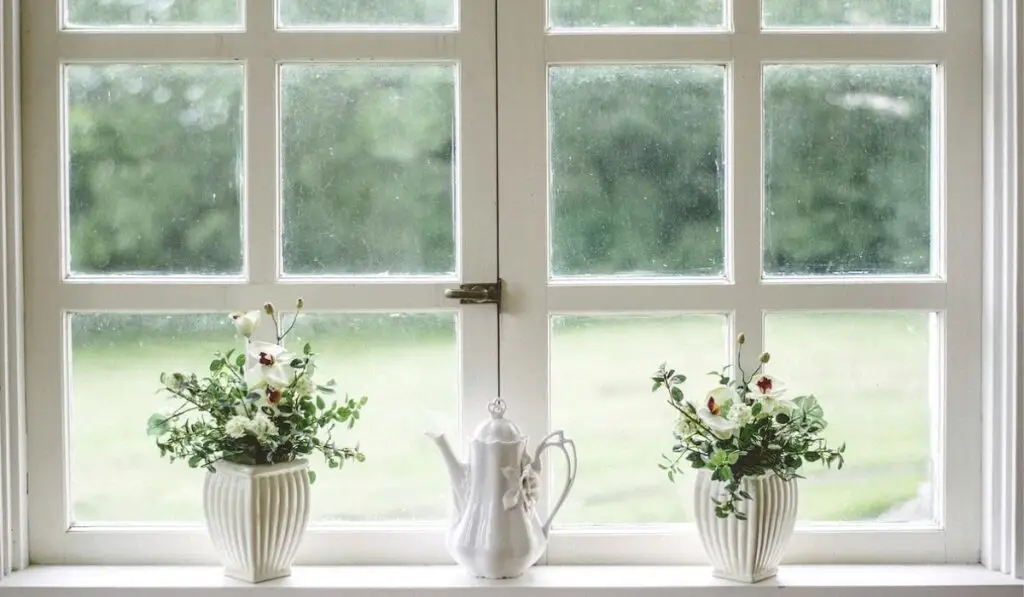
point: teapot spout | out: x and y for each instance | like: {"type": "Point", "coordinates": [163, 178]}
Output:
{"type": "Point", "coordinates": [456, 471]}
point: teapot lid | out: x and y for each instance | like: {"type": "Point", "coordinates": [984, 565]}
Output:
{"type": "Point", "coordinates": [497, 428]}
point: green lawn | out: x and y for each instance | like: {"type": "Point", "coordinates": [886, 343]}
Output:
{"type": "Point", "coordinates": [869, 370]}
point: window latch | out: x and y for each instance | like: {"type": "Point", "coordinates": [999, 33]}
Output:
{"type": "Point", "coordinates": [476, 293]}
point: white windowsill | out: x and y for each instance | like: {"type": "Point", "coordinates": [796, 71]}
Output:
{"type": "Point", "coordinates": [553, 581]}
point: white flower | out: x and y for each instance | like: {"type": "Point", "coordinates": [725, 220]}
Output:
{"type": "Point", "coordinates": [685, 426]}
{"type": "Point", "coordinates": [267, 364]}
{"type": "Point", "coordinates": [740, 414]}
{"type": "Point", "coordinates": [262, 427]}
{"type": "Point", "coordinates": [237, 426]}
{"type": "Point", "coordinates": [722, 396]}
{"type": "Point", "coordinates": [722, 428]}
{"type": "Point", "coordinates": [766, 386]}
{"type": "Point", "coordinates": [304, 386]}
{"type": "Point", "coordinates": [774, 406]}
{"type": "Point", "coordinates": [245, 322]}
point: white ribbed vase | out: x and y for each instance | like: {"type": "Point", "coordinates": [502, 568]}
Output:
{"type": "Point", "coordinates": [746, 551]}
{"type": "Point", "coordinates": [256, 516]}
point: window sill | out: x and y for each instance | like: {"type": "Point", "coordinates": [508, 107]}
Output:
{"type": "Point", "coordinates": [542, 581]}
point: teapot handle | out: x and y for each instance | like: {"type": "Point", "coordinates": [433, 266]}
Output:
{"type": "Point", "coordinates": [558, 440]}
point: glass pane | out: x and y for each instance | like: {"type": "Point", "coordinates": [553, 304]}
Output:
{"type": "Point", "coordinates": [638, 170]}
{"type": "Point", "coordinates": [359, 351]}
{"type": "Point", "coordinates": [848, 169]}
{"type": "Point", "coordinates": [362, 13]}
{"type": "Point", "coordinates": [600, 377]}
{"type": "Point", "coordinates": [636, 13]}
{"type": "Point", "coordinates": [870, 371]}
{"type": "Point", "coordinates": [368, 169]}
{"type": "Point", "coordinates": [848, 13]}
{"type": "Point", "coordinates": [152, 13]}
{"type": "Point", "coordinates": [408, 365]}
{"type": "Point", "coordinates": [155, 168]}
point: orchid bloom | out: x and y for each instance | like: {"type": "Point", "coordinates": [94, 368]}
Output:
{"type": "Point", "coordinates": [710, 414]}
{"type": "Point", "coordinates": [267, 364]}
{"type": "Point", "coordinates": [245, 322]}
{"type": "Point", "coordinates": [764, 386]}
{"type": "Point", "coordinates": [722, 428]}
{"type": "Point", "coordinates": [769, 391]}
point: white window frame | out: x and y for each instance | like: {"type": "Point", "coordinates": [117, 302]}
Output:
{"type": "Point", "coordinates": [528, 299]}
{"type": "Point", "coordinates": [526, 49]}
{"type": "Point", "coordinates": [261, 47]}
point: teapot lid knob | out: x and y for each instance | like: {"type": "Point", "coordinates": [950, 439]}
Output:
{"type": "Point", "coordinates": [496, 407]}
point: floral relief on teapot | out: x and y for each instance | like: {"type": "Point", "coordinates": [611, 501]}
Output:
{"type": "Point", "coordinates": [496, 529]}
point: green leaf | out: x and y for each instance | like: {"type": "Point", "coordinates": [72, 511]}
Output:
{"type": "Point", "coordinates": [157, 425]}
{"type": "Point", "coordinates": [195, 461]}
{"type": "Point", "coordinates": [756, 409]}
{"type": "Point", "coordinates": [296, 363]}
{"type": "Point", "coordinates": [307, 349]}
{"type": "Point", "coordinates": [782, 418]}
{"type": "Point", "coordinates": [680, 378]}
{"type": "Point", "coordinates": [312, 476]}
{"type": "Point", "coordinates": [677, 394]}
{"type": "Point", "coordinates": [320, 403]}
{"type": "Point", "coordinates": [240, 361]}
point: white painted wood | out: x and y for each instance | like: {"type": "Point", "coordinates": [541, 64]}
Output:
{"type": "Point", "coordinates": [1002, 524]}
{"type": "Point", "coordinates": [262, 184]}
{"type": "Point", "coordinates": [279, 45]}
{"type": "Point", "coordinates": [261, 48]}
{"type": "Point", "coordinates": [548, 581]}
{"type": "Point", "coordinates": [722, 298]}
{"type": "Point", "coordinates": [958, 164]}
{"type": "Point", "coordinates": [907, 46]}
{"type": "Point", "coordinates": [745, 198]}
{"type": "Point", "coordinates": [13, 546]}
{"type": "Point", "coordinates": [522, 215]}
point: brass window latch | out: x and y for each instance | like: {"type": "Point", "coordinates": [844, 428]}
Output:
{"type": "Point", "coordinates": [486, 293]}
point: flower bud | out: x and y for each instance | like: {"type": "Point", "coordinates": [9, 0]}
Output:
{"type": "Point", "coordinates": [741, 339]}
{"type": "Point", "coordinates": [765, 357]}
{"type": "Point", "coordinates": [299, 304]}
{"type": "Point", "coordinates": [268, 309]}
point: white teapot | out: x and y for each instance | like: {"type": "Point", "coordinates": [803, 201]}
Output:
{"type": "Point", "coordinates": [496, 531]}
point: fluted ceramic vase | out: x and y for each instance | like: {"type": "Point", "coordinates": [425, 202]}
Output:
{"type": "Point", "coordinates": [256, 516]}
{"type": "Point", "coordinates": [746, 551]}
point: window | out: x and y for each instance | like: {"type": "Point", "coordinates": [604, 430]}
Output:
{"type": "Point", "coordinates": [670, 174]}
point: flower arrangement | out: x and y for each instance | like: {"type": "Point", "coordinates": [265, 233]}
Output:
{"type": "Point", "coordinates": [260, 406]}
{"type": "Point", "coordinates": [744, 428]}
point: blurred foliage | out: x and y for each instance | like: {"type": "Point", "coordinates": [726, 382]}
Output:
{"type": "Point", "coordinates": [639, 155]}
